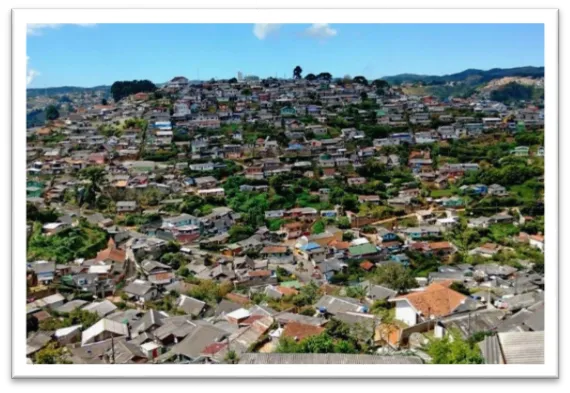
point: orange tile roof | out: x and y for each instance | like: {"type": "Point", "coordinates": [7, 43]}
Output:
{"type": "Point", "coordinates": [259, 273]}
{"type": "Point", "coordinates": [539, 238]}
{"type": "Point", "coordinates": [285, 291]}
{"type": "Point", "coordinates": [236, 297]}
{"type": "Point", "coordinates": [114, 254]}
{"type": "Point", "coordinates": [437, 300]}
{"type": "Point", "coordinates": [439, 245]}
{"type": "Point", "coordinates": [367, 265]}
{"type": "Point", "coordinates": [300, 330]}
{"type": "Point", "coordinates": [339, 245]}
{"type": "Point", "coordinates": [274, 250]}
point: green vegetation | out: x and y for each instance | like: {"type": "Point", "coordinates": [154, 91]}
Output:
{"type": "Point", "coordinates": [51, 354]}
{"type": "Point", "coordinates": [512, 92]}
{"type": "Point", "coordinates": [122, 89]}
{"type": "Point", "coordinates": [456, 351]}
{"type": "Point", "coordinates": [77, 317]}
{"type": "Point", "coordinates": [83, 241]}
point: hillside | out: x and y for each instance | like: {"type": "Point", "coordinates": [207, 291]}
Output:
{"type": "Point", "coordinates": [50, 91]}
{"type": "Point", "coordinates": [470, 76]}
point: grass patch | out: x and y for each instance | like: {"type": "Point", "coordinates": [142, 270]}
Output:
{"type": "Point", "coordinates": [441, 193]}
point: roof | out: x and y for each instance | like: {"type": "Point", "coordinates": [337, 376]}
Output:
{"type": "Point", "coordinates": [274, 250]}
{"type": "Point", "coordinates": [324, 358]}
{"type": "Point", "coordinates": [36, 342]}
{"type": "Point", "coordinates": [437, 300]}
{"type": "Point", "coordinates": [198, 339]}
{"type": "Point", "coordinates": [138, 287]}
{"type": "Point", "coordinates": [70, 306]}
{"type": "Point", "coordinates": [299, 331]}
{"type": "Point", "coordinates": [104, 325]}
{"type": "Point", "coordinates": [334, 304]}
{"type": "Point", "coordinates": [190, 305]}
{"type": "Point", "coordinates": [101, 308]}
{"type": "Point", "coordinates": [491, 350]}
{"type": "Point", "coordinates": [522, 347]}
{"type": "Point", "coordinates": [362, 249]}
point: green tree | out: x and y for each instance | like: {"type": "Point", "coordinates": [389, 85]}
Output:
{"type": "Point", "coordinates": [310, 77]}
{"type": "Point", "coordinates": [51, 354]}
{"type": "Point", "coordinates": [52, 113]}
{"type": "Point", "coordinates": [231, 357]}
{"type": "Point", "coordinates": [453, 351]}
{"type": "Point", "coordinates": [394, 276]}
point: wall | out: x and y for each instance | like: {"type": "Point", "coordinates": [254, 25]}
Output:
{"type": "Point", "coordinates": [405, 313]}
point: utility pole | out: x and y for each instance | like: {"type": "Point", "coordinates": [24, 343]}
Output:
{"type": "Point", "coordinates": [112, 349]}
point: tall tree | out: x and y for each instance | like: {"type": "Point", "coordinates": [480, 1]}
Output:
{"type": "Point", "coordinates": [52, 113]}
{"type": "Point", "coordinates": [297, 71]}
{"type": "Point", "coordinates": [310, 77]}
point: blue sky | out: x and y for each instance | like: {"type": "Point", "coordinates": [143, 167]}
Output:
{"type": "Point", "coordinates": [90, 55]}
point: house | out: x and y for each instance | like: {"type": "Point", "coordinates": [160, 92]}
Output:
{"type": "Point", "coordinates": [180, 221]}
{"type": "Point", "coordinates": [441, 249]}
{"type": "Point", "coordinates": [205, 182]}
{"type": "Point", "coordinates": [311, 251]}
{"type": "Point", "coordinates": [141, 290]}
{"type": "Point", "coordinates": [44, 270]}
{"type": "Point", "coordinates": [497, 190]}
{"type": "Point", "coordinates": [333, 305]}
{"type": "Point", "coordinates": [292, 230]}
{"type": "Point", "coordinates": [126, 206]}
{"type": "Point", "coordinates": [384, 235]}
{"type": "Point", "coordinates": [372, 199]}
{"type": "Point", "coordinates": [425, 217]}
{"type": "Point", "coordinates": [355, 181]}
{"type": "Point", "coordinates": [190, 306]}
{"type": "Point", "coordinates": [487, 250]}
{"type": "Point", "coordinates": [363, 251]}
{"type": "Point", "coordinates": [520, 151]}
{"type": "Point", "coordinates": [299, 331]}
{"type": "Point", "coordinates": [537, 241]}
{"type": "Point", "coordinates": [212, 192]}
{"type": "Point", "coordinates": [436, 301]}
{"type": "Point", "coordinates": [103, 330]}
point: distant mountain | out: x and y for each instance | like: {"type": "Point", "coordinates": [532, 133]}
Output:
{"type": "Point", "coordinates": [49, 91]}
{"type": "Point", "coordinates": [471, 76]}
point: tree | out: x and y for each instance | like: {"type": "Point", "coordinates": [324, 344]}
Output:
{"type": "Point", "coordinates": [52, 113]}
{"type": "Point", "coordinates": [460, 287]}
{"type": "Point", "coordinates": [231, 357]}
{"type": "Point", "coordinates": [232, 80]}
{"type": "Point", "coordinates": [122, 89]}
{"type": "Point", "coordinates": [32, 323]}
{"type": "Point", "coordinates": [51, 354]}
{"type": "Point", "coordinates": [318, 227]}
{"type": "Point", "coordinates": [394, 276]}
{"type": "Point", "coordinates": [310, 77]}
{"type": "Point", "coordinates": [326, 76]}
{"type": "Point", "coordinates": [454, 350]}
{"type": "Point", "coordinates": [297, 71]}
{"type": "Point", "coordinates": [360, 80]}
{"type": "Point", "coordinates": [96, 177]}
{"type": "Point", "coordinates": [104, 101]}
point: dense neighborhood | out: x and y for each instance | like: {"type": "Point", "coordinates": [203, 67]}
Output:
{"type": "Point", "coordinates": [312, 220]}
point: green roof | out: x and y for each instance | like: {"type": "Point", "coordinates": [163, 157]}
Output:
{"type": "Point", "coordinates": [291, 284]}
{"type": "Point", "coordinates": [362, 249]}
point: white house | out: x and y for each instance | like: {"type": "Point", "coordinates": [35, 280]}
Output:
{"type": "Point", "coordinates": [537, 241]}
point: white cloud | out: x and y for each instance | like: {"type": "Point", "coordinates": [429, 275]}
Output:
{"type": "Point", "coordinates": [30, 73]}
{"type": "Point", "coordinates": [320, 30]}
{"type": "Point", "coordinates": [262, 30]}
{"type": "Point", "coordinates": [37, 28]}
